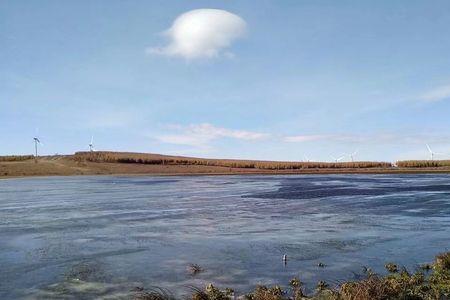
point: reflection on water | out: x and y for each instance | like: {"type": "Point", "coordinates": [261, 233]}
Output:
{"type": "Point", "coordinates": [97, 236]}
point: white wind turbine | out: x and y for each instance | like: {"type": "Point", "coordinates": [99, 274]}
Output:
{"type": "Point", "coordinates": [432, 153]}
{"type": "Point", "coordinates": [37, 142]}
{"type": "Point", "coordinates": [352, 155]}
{"type": "Point", "coordinates": [91, 144]}
{"type": "Point", "coordinates": [337, 159]}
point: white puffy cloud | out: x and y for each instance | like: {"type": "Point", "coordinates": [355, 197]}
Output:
{"type": "Point", "coordinates": [437, 94]}
{"type": "Point", "coordinates": [200, 135]}
{"type": "Point", "coordinates": [202, 33]}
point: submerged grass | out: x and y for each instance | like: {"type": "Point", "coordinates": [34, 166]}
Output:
{"type": "Point", "coordinates": [194, 269]}
{"type": "Point", "coordinates": [154, 293]}
{"type": "Point", "coordinates": [426, 283]}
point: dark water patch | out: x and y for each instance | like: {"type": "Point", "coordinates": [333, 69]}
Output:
{"type": "Point", "coordinates": [308, 190]}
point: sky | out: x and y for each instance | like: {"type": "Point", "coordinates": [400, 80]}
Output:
{"type": "Point", "coordinates": [276, 80]}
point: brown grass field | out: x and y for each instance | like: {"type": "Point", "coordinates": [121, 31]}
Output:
{"type": "Point", "coordinates": [106, 162]}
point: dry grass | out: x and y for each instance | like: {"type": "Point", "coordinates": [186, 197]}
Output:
{"type": "Point", "coordinates": [373, 288]}
{"type": "Point", "coordinates": [154, 293]}
{"type": "Point", "coordinates": [97, 163]}
{"type": "Point", "coordinates": [16, 158]}
{"type": "Point", "coordinates": [194, 269]}
{"type": "Point", "coordinates": [391, 267]}
{"type": "Point", "coordinates": [442, 261]}
{"type": "Point", "coordinates": [423, 163]}
{"type": "Point", "coordinates": [155, 159]}
{"type": "Point", "coordinates": [398, 285]}
{"type": "Point", "coordinates": [212, 293]}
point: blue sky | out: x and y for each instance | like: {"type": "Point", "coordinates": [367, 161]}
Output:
{"type": "Point", "coordinates": [278, 80]}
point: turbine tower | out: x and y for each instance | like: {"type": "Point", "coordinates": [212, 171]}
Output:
{"type": "Point", "coordinates": [432, 153]}
{"type": "Point", "coordinates": [91, 144]}
{"type": "Point", "coordinates": [337, 159]}
{"type": "Point", "coordinates": [352, 155]}
{"type": "Point", "coordinates": [36, 142]}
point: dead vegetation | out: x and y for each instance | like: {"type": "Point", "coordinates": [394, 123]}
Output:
{"type": "Point", "coordinates": [106, 162]}
{"type": "Point", "coordinates": [15, 158]}
{"type": "Point", "coordinates": [433, 284]}
{"type": "Point", "coordinates": [423, 163]}
{"type": "Point", "coordinates": [153, 293]}
{"type": "Point", "coordinates": [194, 269]}
{"type": "Point", "coordinates": [155, 159]}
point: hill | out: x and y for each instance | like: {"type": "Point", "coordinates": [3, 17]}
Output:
{"type": "Point", "coordinates": [107, 162]}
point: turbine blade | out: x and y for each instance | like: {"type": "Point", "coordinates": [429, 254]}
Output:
{"type": "Point", "coordinates": [429, 149]}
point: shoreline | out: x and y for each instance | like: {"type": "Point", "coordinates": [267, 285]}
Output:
{"type": "Point", "coordinates": [147, 164]}
{"type": "Point", "coordinates": [246, 173]}
{"type": "Point", "coordinates": [429, 280]}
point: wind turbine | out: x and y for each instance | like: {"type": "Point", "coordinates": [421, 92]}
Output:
{"type": "Point", "coordinates": [352, 155]}
{"type": "Point", "coordinates": [337, 159]}
{"type": "Point", "coordinates": [36, 142]}
{"type": "Point", "coordinates": [432, 153]}
{"type": "Point", "coordinates": [91, 144]}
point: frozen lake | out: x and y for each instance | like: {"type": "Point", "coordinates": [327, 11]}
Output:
{"type": "Point", "coordinates": [105, 235]}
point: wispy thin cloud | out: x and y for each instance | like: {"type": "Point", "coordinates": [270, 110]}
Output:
{"type": "Point", "coordinates": [437, 94]}
{"type": "Point", "coordinates": [371, 138]}
{"type": "Point", "coordinates": [303, 138]}
{"type": "Point", "coordinates": [200, 135]}
{"type": "Point", "coordinates": [110, 119]}
{"type": "Point", "coordinates": [202, 33]}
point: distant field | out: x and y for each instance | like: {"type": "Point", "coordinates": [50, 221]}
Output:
{"type": "Point", "coordinates": [16, 157]}
{"type": "Point", "coordinates": [423, 163]}
{"type": "Point", "coordinates": [156, 159]}
{"type": "Point", "coordinates": [105, 162]}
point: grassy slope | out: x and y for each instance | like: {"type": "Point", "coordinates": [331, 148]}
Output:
{"type": "Point", "coordinates": [66, 166]}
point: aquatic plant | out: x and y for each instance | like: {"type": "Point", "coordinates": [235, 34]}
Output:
{"type": "Point", "coordinates": [212, 293]}
{"type": "Point", "coordinates": [396, 285]}
{"type": "Point", "coordinates": [391, 267]}
{"type": "Point", "coordinates": [372, 287]}
{"type": "Point", "coordinates": [194, 269]}
{"type": "Point", "coordinates": [154, 293]}
{"type": "Point", "coordinates": [295, 282]}
{"type": "Point", "coordinates": [263, 292]}
{"type": "Point", "coordinates": [296, 285]}
{"type": "Point", "coordinates": [321, 285]}
{"type": "Point", "coordinates": [442, 261]}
